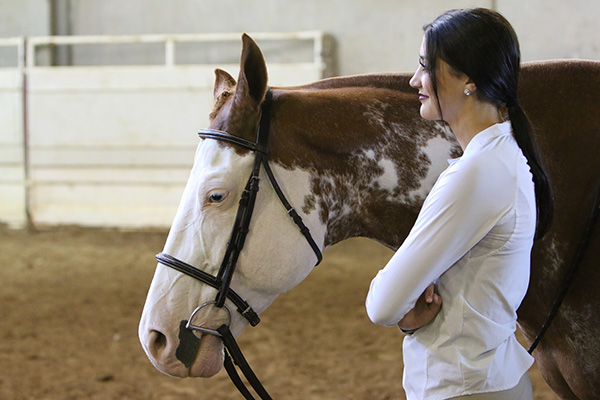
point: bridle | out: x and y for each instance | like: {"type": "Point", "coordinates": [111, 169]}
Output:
{"type": "Point", "coordinates": [222, 280]}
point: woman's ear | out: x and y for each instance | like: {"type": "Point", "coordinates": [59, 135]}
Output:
{"type": "Point", "coordinates": [470, 86]}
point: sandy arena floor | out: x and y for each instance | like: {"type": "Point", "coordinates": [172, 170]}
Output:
{"type": "Point", "coordinates": [70, 301]}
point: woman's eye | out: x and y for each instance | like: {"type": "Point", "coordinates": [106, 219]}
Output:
{"type": "Point", "coordinates": [217, 197]}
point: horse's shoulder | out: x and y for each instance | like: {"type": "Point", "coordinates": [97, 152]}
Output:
{"type": "Point", "coordinates": [577, 69]}
{"type": "Point", "coordinates": [561, 89]}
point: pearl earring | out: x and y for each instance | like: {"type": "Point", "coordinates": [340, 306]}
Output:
{"type": "Point", "coordinates": [468, 92]}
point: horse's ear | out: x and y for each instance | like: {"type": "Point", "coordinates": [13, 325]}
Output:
{"type": "Point", "coordinates": [252, 81]}
{"type": "Point", "coordinates": [223, 81]}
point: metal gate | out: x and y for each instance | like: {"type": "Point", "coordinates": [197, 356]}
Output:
{"type": "Point", "coordinates": [113, 145]}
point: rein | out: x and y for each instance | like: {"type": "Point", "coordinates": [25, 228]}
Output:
{"type": "Point", "coordinates": [222, 281]}
{"type": "Point", "coordinates": [568, 279]}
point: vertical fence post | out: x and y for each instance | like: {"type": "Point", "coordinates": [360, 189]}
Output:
{"type": "Point", "coordinates": [169, 52]}
{"type": "Point", "coordinates": [26, 59]}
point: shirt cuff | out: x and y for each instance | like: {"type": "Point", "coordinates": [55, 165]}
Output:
{"type": "Point", "coordinates": [408, 332]}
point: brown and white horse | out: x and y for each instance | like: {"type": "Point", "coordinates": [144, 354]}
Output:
{"type": "Point", "coordinates": [355, 158]}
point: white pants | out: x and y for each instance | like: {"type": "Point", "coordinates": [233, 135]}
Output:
{"type": "Point", "coordinates": [522, 391]}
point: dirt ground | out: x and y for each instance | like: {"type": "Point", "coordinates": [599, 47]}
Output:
{"type": "Point", "coordinates": [71, 298]}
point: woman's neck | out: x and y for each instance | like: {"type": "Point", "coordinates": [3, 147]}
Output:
{"type": "Point", "coordinates": [475, 117]}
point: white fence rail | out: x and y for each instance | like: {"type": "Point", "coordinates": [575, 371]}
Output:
{"type": "Point", "coordinates": [170, 42]}
{"type": "Point", "coordinates": [112, 145]}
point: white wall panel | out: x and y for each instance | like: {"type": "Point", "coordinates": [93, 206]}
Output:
{"type": "Point", "coordinates": [370, 36]}
{"type": "Point", "coordinates": [377, 35]}
{"type": "Point", "coordinates": [12, 167]}
{"type": "Point", "coordinates": [555, 29]}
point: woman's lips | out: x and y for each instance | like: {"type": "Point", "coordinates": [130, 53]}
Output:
{"type": "Point", "coordinates": [422, 97]}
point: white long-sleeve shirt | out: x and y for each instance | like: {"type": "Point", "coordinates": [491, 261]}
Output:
{"type": "Point", "coordinates": [473, 236]}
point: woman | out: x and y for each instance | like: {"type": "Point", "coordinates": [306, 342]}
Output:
{"type": "Point", "coordinates": [471, 243]}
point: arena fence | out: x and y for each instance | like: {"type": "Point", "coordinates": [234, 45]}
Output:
{"type": "Point", "coordinates": [112, 145]}
{"type": "Point", "coordinates": [12, 139]}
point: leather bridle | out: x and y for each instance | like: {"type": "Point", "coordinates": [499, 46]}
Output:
{"type": "Point", "coordinates": [222, 280]}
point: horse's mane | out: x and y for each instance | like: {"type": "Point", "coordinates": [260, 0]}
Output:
{"type": "Point", "coordinates": [392, 81]}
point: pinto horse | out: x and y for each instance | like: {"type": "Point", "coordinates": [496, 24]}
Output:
{"type": "Point", "coordinates": [355, 158]}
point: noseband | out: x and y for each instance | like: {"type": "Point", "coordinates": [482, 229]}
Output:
{"type": "Point", "coordinates": [222, 280]}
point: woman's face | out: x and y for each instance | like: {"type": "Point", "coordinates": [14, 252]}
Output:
{"type": "Point", "coordinates": [451, 86]}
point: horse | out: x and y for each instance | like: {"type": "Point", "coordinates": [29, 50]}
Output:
{"type": "Point", "coordinates": [355, 158]}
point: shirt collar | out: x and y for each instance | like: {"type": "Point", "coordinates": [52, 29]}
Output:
{"type": "Point", "coordinates": [484, 137]}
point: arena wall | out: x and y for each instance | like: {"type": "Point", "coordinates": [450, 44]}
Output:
{"type": "Point", "coordinates": [103, 133]}
{"type": "Point", "coordinates": [113, 145]}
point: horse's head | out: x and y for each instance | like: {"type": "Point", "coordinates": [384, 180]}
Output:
{"type": "Point", "coordinates": [274, 259]}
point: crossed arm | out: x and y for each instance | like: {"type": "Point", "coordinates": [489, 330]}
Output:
{"type": "Point", "coordinates": [465, 204]}
{"type": "Point", "coordinates": [425, 310]}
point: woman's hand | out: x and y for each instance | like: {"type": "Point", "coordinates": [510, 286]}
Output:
{"type": "Point", "coordinates": [425, 310]}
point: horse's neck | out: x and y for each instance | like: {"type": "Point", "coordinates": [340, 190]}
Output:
{"type": "Point", "coordinates": [371, 157]}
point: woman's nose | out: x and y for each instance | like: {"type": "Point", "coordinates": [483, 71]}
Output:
{"type": "Point", "coordinates": [415, 81]}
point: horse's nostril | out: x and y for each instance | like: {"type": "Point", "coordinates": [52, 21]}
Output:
{"type": "Point", "coordinates": [160, 349]}
{"type": "Point", "coordinates": [158, 341]}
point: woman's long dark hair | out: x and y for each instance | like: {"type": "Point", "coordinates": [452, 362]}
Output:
{"type": "Point", "coordinates": [482, 44]}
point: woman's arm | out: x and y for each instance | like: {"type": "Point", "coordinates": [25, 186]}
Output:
{"type": "Point", "coordinates": [466, 202]}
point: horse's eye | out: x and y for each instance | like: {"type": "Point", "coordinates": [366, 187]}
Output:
{"type": "Point", "coordinates": [217, 197]}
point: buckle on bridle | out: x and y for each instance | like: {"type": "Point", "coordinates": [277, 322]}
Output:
{"type": "Point", "coordinates": [202, 329]}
